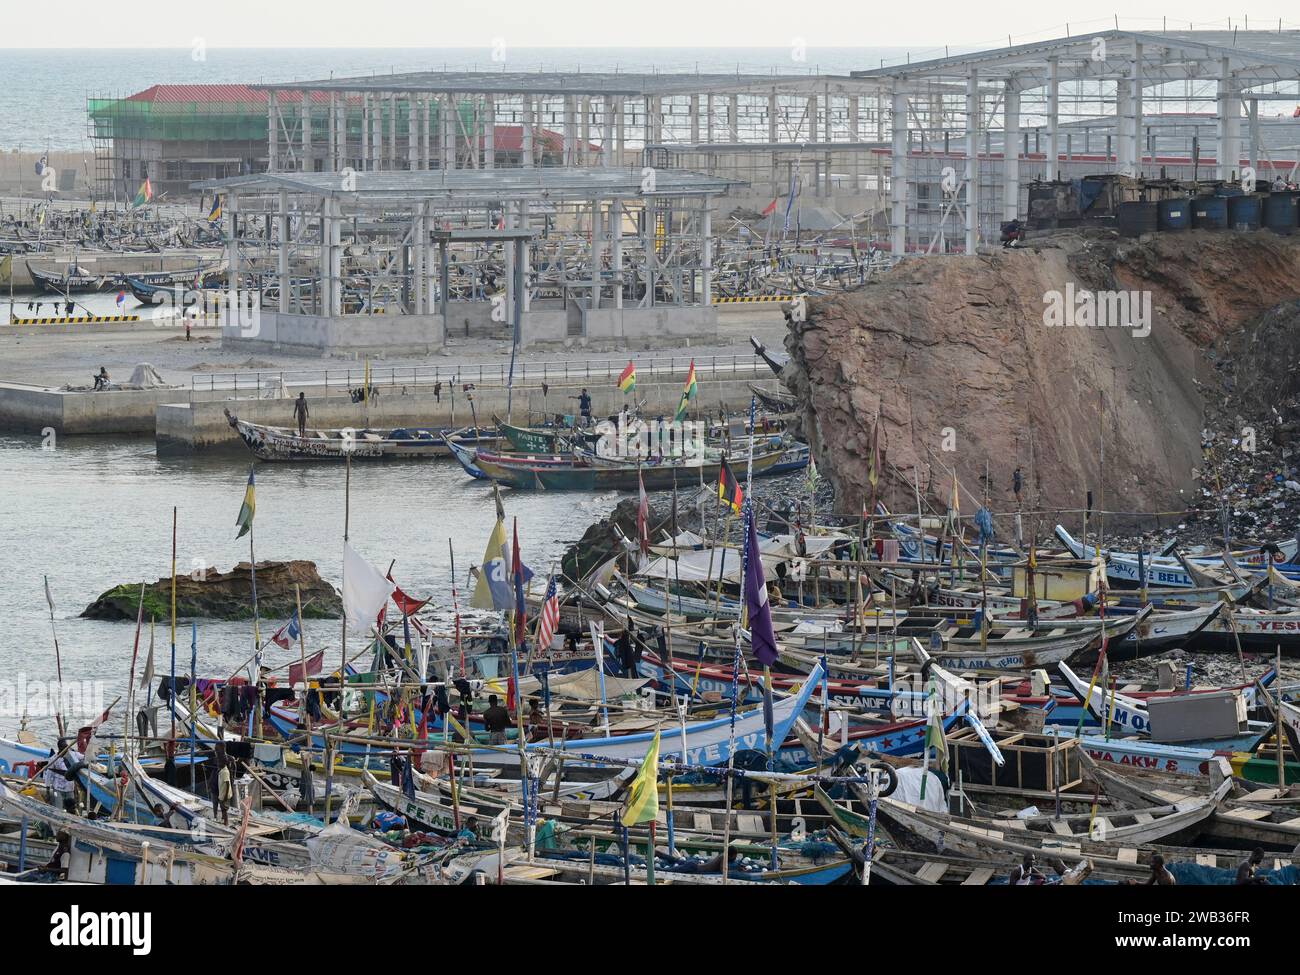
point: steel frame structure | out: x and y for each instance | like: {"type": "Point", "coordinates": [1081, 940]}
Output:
{"type": "Point", "coordinates": [969, 132]}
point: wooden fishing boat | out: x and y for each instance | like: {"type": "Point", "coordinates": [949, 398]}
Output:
{"type": "Point", "coordinates": [1259, 630]}
{"type": "Point", "coordinates": [575, 476]}
{"type": "Point", "coordinates": [270, 443]}
{"type": "Point", "coordinates": [1122, 568]}
{"type": "Point", "coordinates": [1128, 715]}
{"type": "Point", "coordinates": [775, 400]}
{"type": "Point", "coordinates": [1237, 820]}
{"type": "Point", "coordinates": [432, 813]}
{"type": "Point", "coordinates": [73, 279]}
{"type": "Point", "coordinates": [542, 440]}
{"type": "Point", "coordinates": [1077, 834]}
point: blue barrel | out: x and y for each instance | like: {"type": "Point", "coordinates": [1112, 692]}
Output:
{"type": "Point", "coordinates": [1280, 212]}
{"type": "Point", "coordinates": [1136, 218]}
{"type": "Point", "coordinates": [1244, 212]}
{"type": "Point", "coordinates": [1175, 214]}
{"type": "Point", "coordinates": [1210, 213]}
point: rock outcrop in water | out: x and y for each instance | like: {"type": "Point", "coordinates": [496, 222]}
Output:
{"type": "Point", "coordinates": [210, 594]}
{"type": "Point", "coordinates": [953, 358]}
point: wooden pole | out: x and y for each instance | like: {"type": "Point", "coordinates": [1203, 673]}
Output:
{"type": "Point", "coordinates": [343, 663]}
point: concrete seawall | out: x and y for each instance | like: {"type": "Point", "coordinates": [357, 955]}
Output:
{"type": "Point", "coordinates": [202, 426]}
{"type": "Point", "coordinates": [30, 410]}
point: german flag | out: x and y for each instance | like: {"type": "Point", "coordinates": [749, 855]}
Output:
{"type": "Point", "coordinates": [729, 490]}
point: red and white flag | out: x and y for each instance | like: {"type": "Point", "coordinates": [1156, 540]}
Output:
{"type": "Point", "coordinates": [549, 620]}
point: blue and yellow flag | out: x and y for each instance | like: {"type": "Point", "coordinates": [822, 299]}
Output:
{"type": "Point", "coordinates": [643, 798]}
{"type": "Point", "coordinates": [215, 213]}
{"type": "Point", "coordinates": [247, 509]}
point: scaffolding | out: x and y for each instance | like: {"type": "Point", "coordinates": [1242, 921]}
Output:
{"type": "Point", "coordinates": [174, 140]}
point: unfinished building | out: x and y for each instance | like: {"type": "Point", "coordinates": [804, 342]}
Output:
{"type": "Point", "coordinates": [356, 262]}
{"type": "Point", "coordinates": [969, 134]}
{"type": "Point", "coordinates": [778, 134]}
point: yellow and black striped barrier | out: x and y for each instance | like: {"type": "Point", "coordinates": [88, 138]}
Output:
{"type": "Point", "coordinates": [75, 320]}
{"type": "Point", "coordinates": [754, 299]}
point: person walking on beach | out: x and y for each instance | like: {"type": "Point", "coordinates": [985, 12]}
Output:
{"type": "Point", "coordinates": [300, 412]}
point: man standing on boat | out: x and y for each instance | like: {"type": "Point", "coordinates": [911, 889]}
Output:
{"type": "Point", "coordinates": [496, 719]}
{"type": "Point", "coordinates": [300, 412]}
{"type": "Point", "coordinates": [61, 777]}
{"type": "Point", "coordinates": [584, 406]}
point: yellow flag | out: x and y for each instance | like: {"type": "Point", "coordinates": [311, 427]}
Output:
{"type": "Point", "coordinates": [493, 560]}
{"type": "Point", "coordinates": [643, 800]}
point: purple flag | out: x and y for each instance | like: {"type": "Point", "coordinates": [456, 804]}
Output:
{"type": "Point", "coordinates": [761, 636]}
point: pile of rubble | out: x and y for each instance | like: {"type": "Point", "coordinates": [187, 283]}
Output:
{"type": "Point", "coordinates": [1251, 442]}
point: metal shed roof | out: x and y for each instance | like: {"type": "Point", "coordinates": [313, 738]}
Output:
{"type": "Point", "coordinates": [540, 183]}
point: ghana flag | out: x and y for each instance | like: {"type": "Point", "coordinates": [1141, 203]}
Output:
{"type": "Point", "coordinates": [144, 195]}
{"type": "Point", "coordinates": [688, 393]}
{"type": "Point", "coordinates": [627, 378]}
{"type": "Point", "coordinates": [729, 490]}
{"type": "Point", "coordinates": [245, 520]}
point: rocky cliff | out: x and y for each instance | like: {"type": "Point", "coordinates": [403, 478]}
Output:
{"type": "Point", "coordinates": [953, 357]}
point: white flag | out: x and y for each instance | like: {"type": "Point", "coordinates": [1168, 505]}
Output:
{"type": "Point", "coordinates": [146, 678]}
{"type": "Point", "coordinates": [365, 590]}
{"type": "Point", "coordinates": [48, 598]}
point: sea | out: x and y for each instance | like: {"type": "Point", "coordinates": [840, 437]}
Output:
{"type": "Point", "coordinates": [43, 92]}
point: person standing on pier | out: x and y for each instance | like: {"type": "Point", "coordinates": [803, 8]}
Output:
{"type": "Point", "coordinates": [300, 413]}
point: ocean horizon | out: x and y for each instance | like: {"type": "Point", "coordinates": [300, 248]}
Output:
{"type": "Point", "coordinates": [43, 91]}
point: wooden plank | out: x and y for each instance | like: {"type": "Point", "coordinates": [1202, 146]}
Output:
{"type": "Point", "coordinates": [978, 877]}
{"type": "Point", "coordinates": [1127, 854]}
{"type": "Point", "coordinates": [932, 872]}
{"type": "Point", "coordinates": [749, 823]}
{"type": "Point", "coordinates": [1247, 815]}
{"type": "Point", "coordinates": [1061, 827]}
{"type": "Point", "coordinates": [1207, 860]}
{"type": "Point", "coordinates": [1144, 818]}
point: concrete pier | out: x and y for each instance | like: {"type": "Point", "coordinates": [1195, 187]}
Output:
{"type": "Point", "coordinates": [201, 425]}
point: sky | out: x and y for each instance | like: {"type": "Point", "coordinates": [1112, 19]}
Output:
{"type": "Point", "coordinates": [581, 23]}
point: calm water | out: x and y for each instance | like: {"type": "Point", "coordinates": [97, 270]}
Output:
{"type": "Point", "coordinates": [92, 514]}
{"type": "Point", "coordinates": [43, 92]}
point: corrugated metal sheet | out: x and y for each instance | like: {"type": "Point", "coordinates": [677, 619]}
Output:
{"type": "Point", "coordinates": [228, 94]}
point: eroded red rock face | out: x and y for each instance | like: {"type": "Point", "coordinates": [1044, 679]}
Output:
{"type": "Point", "coordinates": [953, 356]}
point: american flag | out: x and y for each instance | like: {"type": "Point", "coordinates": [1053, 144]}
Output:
{"type": "Point", "coordinates": [550, 617]}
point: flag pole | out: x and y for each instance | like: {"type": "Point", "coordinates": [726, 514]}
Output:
{"type": "Point", "coordinates": [172, 695]}
{"type": "Point", "coordinates": [343, 662]}
{"type": "Point", "coordinates": [735, 662]}
{"type": "Point", "coordinates": [58, 662]}
{"type": "Point", "coordinates": [194, 692]}
{"type": "Point", "coordinates": [257, 634]}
